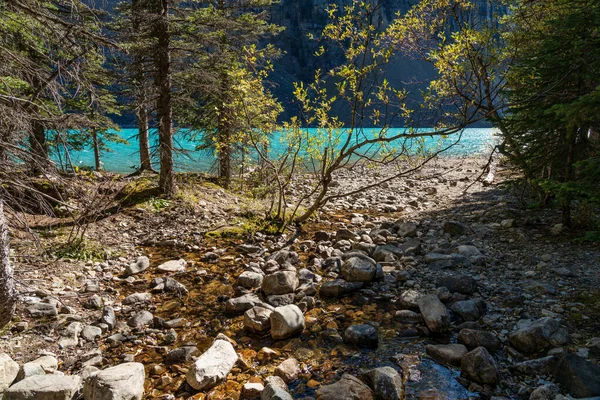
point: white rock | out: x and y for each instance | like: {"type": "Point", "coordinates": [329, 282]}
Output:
{"type": "Point", "coordinates": [121, 382]}
{"type": "Point", "coordinates": [8, 371]}
{"type": "Point", "coordinates": [213, 366]}
{"type": "Point", "coordinates": [172, 266]}
{"type": "Point", "coordinates": [45, 387]}
{"type": "Point", "coordinates": [286, 321]}
{"type": "Point", "coordinates": [141, 264]}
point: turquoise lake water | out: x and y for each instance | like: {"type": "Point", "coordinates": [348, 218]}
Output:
{"type": "Point", "coordinates": [124, 158]}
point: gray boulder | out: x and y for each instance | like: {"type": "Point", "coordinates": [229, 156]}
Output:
{"type": "Point", "coordinates": [286, 321]}
{"type": "Point", "coordinates": [448, 354]}
{"type": "Point", "coordinates": [121, 382]}
{"type": "Point", "coordinates": [250, 280]}
{"type": "Point", "coordinates": [140, 265]}
{"type": "Point", "coordinates": [212, 366]}
{"type": "Point", "coordinates": [8, 371]}
{"type": "Point", "coordinates": [539, 335]}
{"type": "Point", "coordinates": [474, 338]}
{"type": "Point", "coordinates": [454, 228]}
{"type": "Point", "coordinates": [364, 335]}
{"type": "Point", "coordinates": [281, 282]}
{"type": "Point", "coordinates": [39, 310]}
{"type": "Point", "coordinates": [386, 383]}
{"type": "Point", "coordinates": [258, 319]}
{"type": "Point", "coordinates": [45, 387]}
{"type": "Point", "coordinates": [479, 366]}
{"type": "Point", "coordinates": [464, 284]}
{"type": "Point", "coordinates": [140, 319]}
{"type": "Point", "coordinates": [136, 298]}
{"type": "Point", "coordinates": [172, 266]}
{"type": "Point", "coordinates": [405, 229]}
{"type": "Point", "coordinates": [275, 389]}
{"type": "Point", "coordinates": [180, 355]}
{"type": "Point", "coordinates": [434, 313]}
{"type": "Point", "coordinates": [408, 300]}
{"type": "Point", "coordinates": [29, 369]}
{"type": "Point", "coordinates": [347, 388]}
{"type": "Point", "coordinates": [339, 288]}
{"type": "Point", "coordinates": [467, 310]}
{"type": "Point", "coordinates": [108, 317]}
{"type": "Point", "coordinates": [579, 377]}
{"type": "Point", "coordinates": [359, 269]}
{"type": "Point", "coordinates": [239, 305]}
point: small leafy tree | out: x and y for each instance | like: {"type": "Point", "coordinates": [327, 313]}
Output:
{"type": "Point", "coordinates": [358, 84]}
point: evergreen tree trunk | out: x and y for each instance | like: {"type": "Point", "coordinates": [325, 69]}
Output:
{"type": "Point", "coordinates": [224, 134]}
{"type": "Point", "coordinates": [39, 147]}
{"type": "Point", "coordinates": [141, 97]}
{"type": "Point", "coordinates": [566, 203]}
{"type": "Point", "coordinates": [8, 293]}
{"type": "Point", "coordinates": [164, 111]}
{"type": "Point", "coordinates": [142, 117]}
{"type": "Point", "coordinates": [97, 162]}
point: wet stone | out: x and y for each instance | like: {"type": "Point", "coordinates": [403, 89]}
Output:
{"type": "Point", "coordinates": [475, 338]}
{"type": "Point", "coordinates": [386, 383]}
{"type": "Point", "coordinates": [288, 370]}
{"type": "Point", "coordinates": [467, 310]}
{"type": "Point", "coordinates": [364, 335]}
{"type": "Point", "coordinates": [348, 388]}
{"type": "Point", "coordinates": [408, 300]}
{"type": "Point", "coordinates": [434, 313]}
{"type": "Point", "coordinates": [339, 288]}
{"type": "Point", "coordinates": [212, 366]}
{"type": "Point", "coordinates": [275, 389]}
{"type": "Point", "coordinates": [458, 284]}
{"type": "Point", "coordinates": [448, 354]}
{"type": "Point", "coordinates": [479, 366]}
{"type": "Point", "coordinates": [172, 266]}
{"type": "Point", "coordinates": [180, 355]}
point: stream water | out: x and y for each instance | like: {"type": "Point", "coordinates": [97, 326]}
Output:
{"type": "Point", "coordinates": [324, 359]}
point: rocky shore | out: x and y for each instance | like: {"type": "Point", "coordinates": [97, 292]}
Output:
{"type": "Point", "coordinates": [411, 290]}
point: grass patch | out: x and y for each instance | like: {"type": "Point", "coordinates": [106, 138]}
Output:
{"type": "Point", "coordinates": [83, 250]}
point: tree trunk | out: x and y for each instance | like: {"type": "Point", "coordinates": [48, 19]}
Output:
{"type": "Point", "coordinates": [224, 132]}
{"type": "Point", "coordinates": [224, 145]}
{"type": "Point", "coordinates": [164, 111]}
{"type": "Point", "coordinates": [566, 203]}
{"type": "Point", "coordinates": [142, 117]}
{"type": "Point", "coordinates": [39, 148]}
{"type": "Point", "coordinates": [96, 150]}
{"type": "Point", "coordinates": [141, 97]}
{"type": "Point", "coordinates": [8, 293]}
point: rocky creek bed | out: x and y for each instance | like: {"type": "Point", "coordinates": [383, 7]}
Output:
{"type": "Point", "coordinates": [412, 290]}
